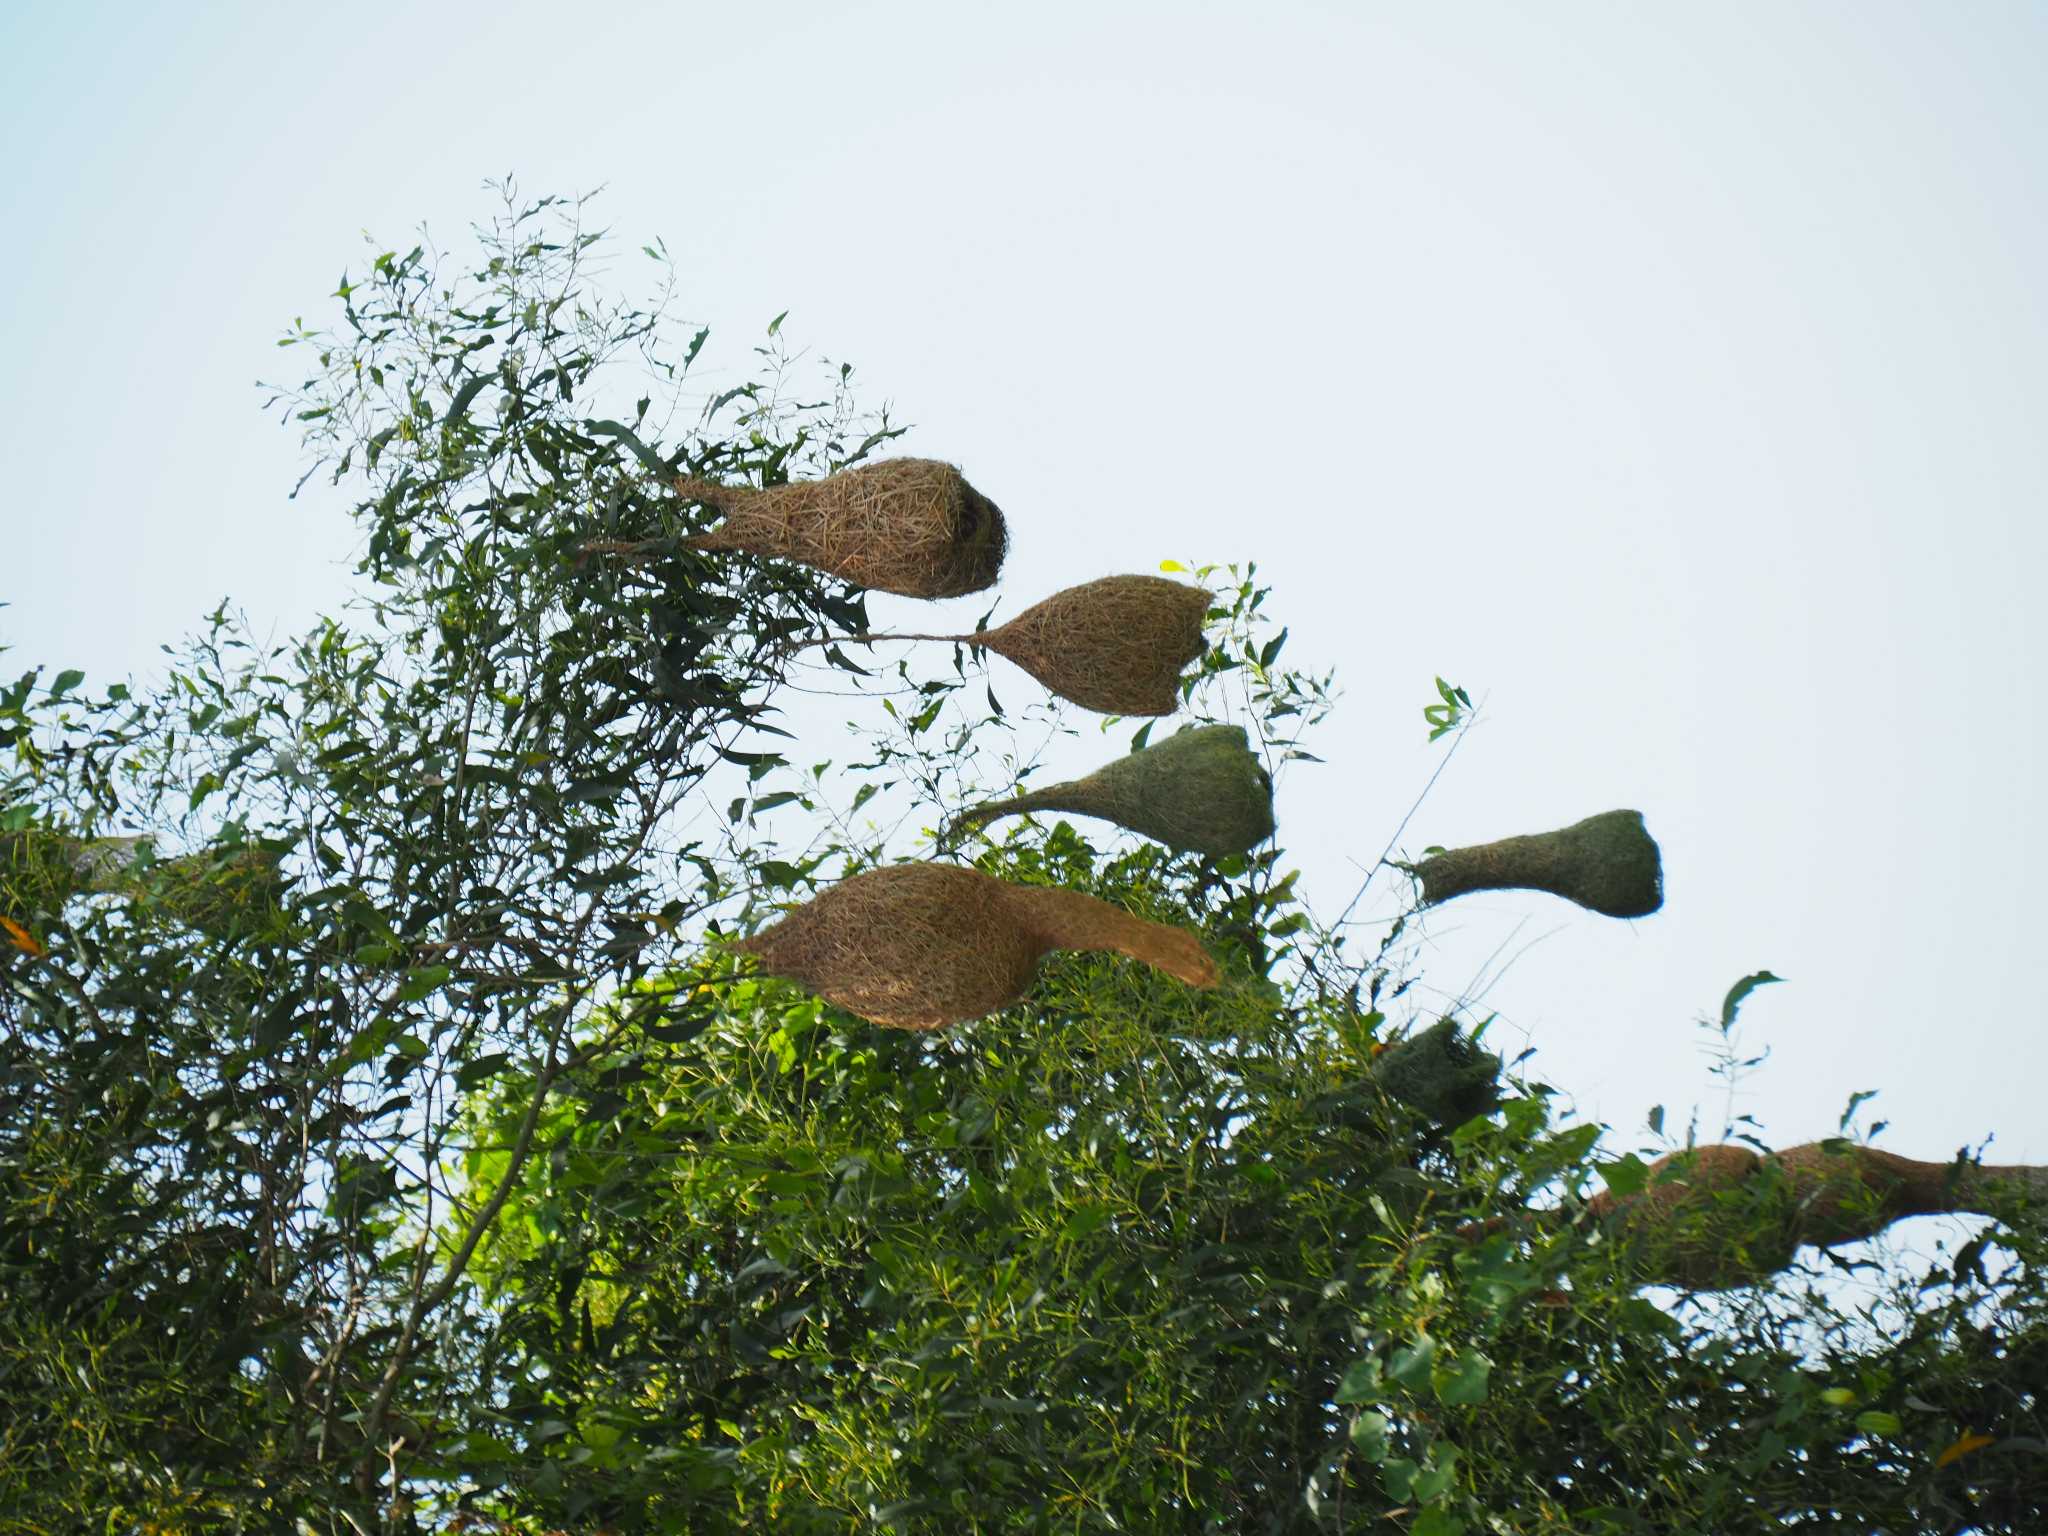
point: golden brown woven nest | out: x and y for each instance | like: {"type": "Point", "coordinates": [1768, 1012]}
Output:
{"type": "Point", "coordinates": [1116, 646]}
{"type": "Point", "coordinates": [910, 526]}
{"type": "Point", "coordinates": [1607, 863]}
{"type": "Point", "coordinates": [1715, 1217]}
{"type": "Point", "coordinates": [921, 946]}
{"type": "Point", "coordinates": [1202, 788]}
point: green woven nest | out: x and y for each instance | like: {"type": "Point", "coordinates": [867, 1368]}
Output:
{"type": "Point", "coordinates": [909, 526]}
{"type": "Point", "coordinates": [1202, 789]}
{"type": "Point", "coordinates": [39, 872]}
{"type": "Point", "coordinates": [1441, 1074]}
{"type": "Point", "coordinates": [1711, 1218]}
{"type": "Point", "coordinates": [1607, 863]}
{"type": "Point", "coordinates": [220, 892]}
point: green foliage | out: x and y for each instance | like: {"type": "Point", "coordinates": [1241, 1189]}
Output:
{"type": "Point", "coordinates": [459, 1177]}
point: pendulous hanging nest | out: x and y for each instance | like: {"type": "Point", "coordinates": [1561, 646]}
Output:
{"type": "Point", "coordinates": [1441, 1073]}
{"type": "Point", "coordinates": [1116, 646]}
{"type": "Point", "coordinates": [921, 946]}
{"type": "Point", "coordinates": [218, 892]}
{"type": "Point", "coordinates": [910, 526]}
{"type": "Point", "coordinates": [1608, 863]}
{"type": "Point", "coordinates": [1716, 1217]}
{"type": "Point", "coordinates": [1201, 789]}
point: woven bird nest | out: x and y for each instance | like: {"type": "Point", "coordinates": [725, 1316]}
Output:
{"type": "Point", "coordinates": [1201, 789]}
{"type": "Point", "coordinates": [1441, 1073]}
{"type": "Point", "coordinates": [217, 892]}
{"type": "Point", "coordinates": [1712, 1218]}
{"type": "Point", "coordinates": [39, 872]}
{"type": "Point", "coordinates": [1607, 863]}
{"type": "Point", "coordinates": [921, 946]}
{"type": "Point", "coordinates": [910, 526]}
{"type": "Point", "coordinates": [1116, 646]}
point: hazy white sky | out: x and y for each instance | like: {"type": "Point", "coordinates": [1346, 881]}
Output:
{"type": "Point", "coordinates": [1673, 376]}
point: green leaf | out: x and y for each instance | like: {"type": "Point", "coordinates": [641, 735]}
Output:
{"type": "Point", "coordinates": [1875, 1421]}
{"type": "Point", "coordinates": [1856, 1102]}
{"type": "Point", "coordinates": [1437, 1521]}
{"type": "Point", "coordinates": [776, 324]}
{"type": "Point", "coordinates": [1432, 1482]}
{"type": "Point", "coordinates": [1410, 1365]}
{"type": "Point", "coordinates": [1372, 1434]}
{"type": "Point", "coordinates": [1733, 1002]}
{"type": "Point", "coordinates": [67, 680]}
{"type": "Point", "coordinates": [481, 1070]}
{"type": "Point", "coordinates": [427, 979]}
{"type": "Point", "coordinates": [1361, 1383]}
{"type": "Point", "coordinates": [1397, 1475]}
{"type": "Point", "coordinates": [1626, 1175]}
{"type": "Point", "coordinates": [1465, 1382]}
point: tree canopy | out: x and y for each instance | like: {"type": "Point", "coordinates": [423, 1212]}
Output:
{"type": "Point", "coordinates": [393, 1139]}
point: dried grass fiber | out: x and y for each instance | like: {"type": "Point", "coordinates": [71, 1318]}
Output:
{"type": "Point", "coordinates": [909, 526]}
{"type": "Point", "coordinates": [921, 946]}
{"type": "Point", "coordinates": [1607, 863]}
{"type": "Point", "coordinates": [1201, 789]}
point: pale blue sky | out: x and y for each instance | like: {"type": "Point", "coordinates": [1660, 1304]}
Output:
{"type": "Point", "coordinates": [1671, 375]}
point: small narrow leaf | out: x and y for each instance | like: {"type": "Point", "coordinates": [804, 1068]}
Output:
{"type": "Point", "coordinates": [1969, 1442]}
{"type": "Point", "coordinates": [1732, 1004]}
{"type": "Point", "coordinates": [21, 938]}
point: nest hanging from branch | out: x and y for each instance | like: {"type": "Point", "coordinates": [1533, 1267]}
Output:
{"type": "Point", "coordinates": [921, 946]}
{"type": "Point", "coordinates": [1117, 645]}
{"type": "Point", "coordinates": [1441, 1073]}
{"type": "Point", "coordinates": [216, 892]}
{"type": "Point", "coordinates": [909, 526]}
{"type": "Point", "coordinates": [1716, 1217]}
{"type": "Point", "coordinates": [1201, 789]}
{"type": "Point", "coordinates": [1607, 863]}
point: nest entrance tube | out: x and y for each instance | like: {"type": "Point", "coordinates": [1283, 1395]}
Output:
{"type": "Point", "coordinates": [1607, 863]}
{"type": "Point", "coordinates": [921, 946]}
{"type": "Point", "coordinates": [1712, 1218]}
{"type": "Point", "coordinates": [1202, 789]}
{"type": "Point", "coordinates": [910, 526]}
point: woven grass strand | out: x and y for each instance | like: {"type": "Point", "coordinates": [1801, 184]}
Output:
{"type": "Point", "coordinates": [1712, 1218]}
{"type": "Point", "coordinates": [914, 527]}
{"type": "Point", "coordinates": [1607, 863]}
{"type": "Point", "coordinates": [1202, 790]}
{"type": "Point", "coordinates": [921, 946]}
